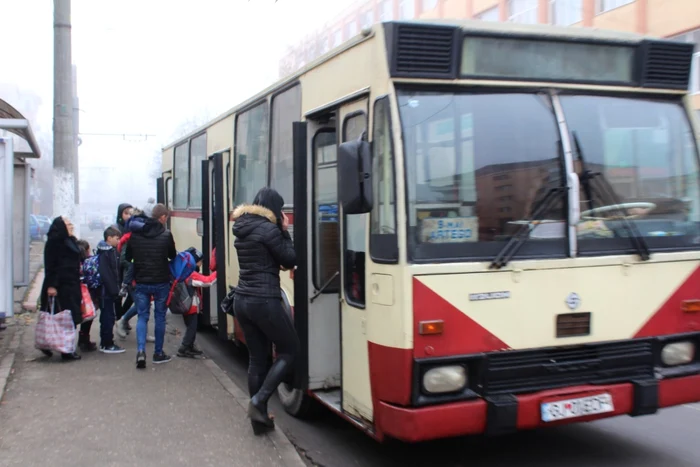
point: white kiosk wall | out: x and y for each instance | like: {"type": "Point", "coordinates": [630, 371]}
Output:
{"type": "Point", "coordinates": [20, 223]}
{"type": "Point", "coordinates": [6, 229]}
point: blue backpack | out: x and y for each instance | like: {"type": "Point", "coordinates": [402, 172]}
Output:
{"type": "Point", "coordinates": [181, 267]}
{"type": "Point", "coordinates": [91, 272]}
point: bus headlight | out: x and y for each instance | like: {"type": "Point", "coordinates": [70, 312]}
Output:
{"type": "Point", "coordinates": [678, 353]}
{"type": "Point", "coordinates": [445, 379]}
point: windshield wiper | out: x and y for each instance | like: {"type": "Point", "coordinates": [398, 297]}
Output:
{"type": "Point", "coordinates": [521, 236]}
{"type": "Point", "coordinates": [606, 191]}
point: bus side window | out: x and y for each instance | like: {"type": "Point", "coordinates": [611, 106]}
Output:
{"type": "Point", "coordinates": [286, 108]}
{"type": "Point", "coordinates": [355, 228]}
{"type": "Point", "coordinates": [181, 176]}
{"type": "Point", "coordinates": [251, 153]}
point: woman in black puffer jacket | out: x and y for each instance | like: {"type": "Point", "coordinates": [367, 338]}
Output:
{"type": "Point", "coordinates": [264, 248]}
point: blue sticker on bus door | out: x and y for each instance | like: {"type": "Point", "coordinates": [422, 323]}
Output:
{"type": "Point", "coordinates": [327, 213]}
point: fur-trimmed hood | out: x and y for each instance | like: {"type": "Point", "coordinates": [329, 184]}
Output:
{"type": "Point", "coordinates": [254, 209]}
{"type": "Point", "coordinates": [248, 217]}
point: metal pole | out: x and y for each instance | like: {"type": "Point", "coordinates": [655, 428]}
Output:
{"type": "Point", "coordinates": [64, 185]}
{"type": "Point", "coordinates": [76, 130]}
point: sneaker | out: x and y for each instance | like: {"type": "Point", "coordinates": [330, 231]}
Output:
{"type": "Point", "coordinates": [161, 358]}
{"type": "Point", "coordinates": [121, 329]}
{"type": "Point", "coordinates": [114, 348]}
{"type": "Point", "coordinates": [141, 360]}
{"type": "Point", "coordinates": [185, 352]}
{"type": "Point", "coordinates": [150, 339]}
{"type": "Point", "coordinates": [195, 350]}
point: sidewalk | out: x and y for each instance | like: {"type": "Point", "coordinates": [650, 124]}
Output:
{"type": "Point", "coordinates": [101, 410]}
{"type": "Point", "coordinates": [22, 301]}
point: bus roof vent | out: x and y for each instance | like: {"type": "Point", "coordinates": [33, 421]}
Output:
{"type": "Point", "coordinates": [423, 51]}
{"type": "Point", "coordinates": [665, 64]}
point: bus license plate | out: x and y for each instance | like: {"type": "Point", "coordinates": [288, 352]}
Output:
{"type": "Point", "coordinates": [572, 408]}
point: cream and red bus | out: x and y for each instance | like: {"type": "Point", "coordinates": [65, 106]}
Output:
{"type": "Point", "coordinates": [497, 225]}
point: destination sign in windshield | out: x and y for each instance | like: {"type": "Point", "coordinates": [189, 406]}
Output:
{"type": "Point", "coordinates": [547, 60]}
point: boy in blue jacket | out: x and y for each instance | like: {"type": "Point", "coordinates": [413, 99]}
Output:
{"type": "Point", "coordinates": [109, 275]}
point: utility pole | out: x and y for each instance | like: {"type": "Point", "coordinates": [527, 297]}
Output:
{"type": "Point", "coordinates": [76, 131]}
{"type": "Point", "coordinates": [64, 157]}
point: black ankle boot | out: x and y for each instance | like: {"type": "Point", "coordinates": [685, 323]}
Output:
{"type": "Point", "coordinates": [255, 382]}
{"type": "Point", "coordinates": [257, 409]}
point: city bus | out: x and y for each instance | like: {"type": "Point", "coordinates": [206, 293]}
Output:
{"type": "Point", "coordinates": [497, 226]}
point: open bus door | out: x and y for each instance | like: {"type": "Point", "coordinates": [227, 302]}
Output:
{"type": "Point", "coordinates": [165, 183]}
{"type": "Point", "coordinates": [160, 190]}
{"type": "Point", "coordinates": [214, 230]}
{"type": "Point", "coordinates": [330, 271]}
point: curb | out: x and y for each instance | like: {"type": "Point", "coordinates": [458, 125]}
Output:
{"type": "Point", "coordinates": [8, 362]}
{"type": "Point", "coordinates": [288, 453]}
{"type": "Point", "coordinates": [33, 292]}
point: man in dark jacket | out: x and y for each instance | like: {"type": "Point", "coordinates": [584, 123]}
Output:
{"type": "Point", "coordinates": [151, 250]}
{"type": "Point", "coordinates": [109, 276]}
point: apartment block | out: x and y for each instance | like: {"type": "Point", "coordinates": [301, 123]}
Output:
{"type": "Point", "coordinates": [677, 19]}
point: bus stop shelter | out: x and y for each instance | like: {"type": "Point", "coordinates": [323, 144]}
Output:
{"type": "Point", "coordinates": [16, 146]}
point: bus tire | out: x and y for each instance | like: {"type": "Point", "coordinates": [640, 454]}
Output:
{"type": "Point", "coordinates": [295, 401]}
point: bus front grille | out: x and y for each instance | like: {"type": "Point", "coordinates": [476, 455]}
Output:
{"type": "Point", "coordinates": [521, 371]}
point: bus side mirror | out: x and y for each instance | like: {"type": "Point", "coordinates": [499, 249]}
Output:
{"type": "Point", "coordinates": [355, 177]}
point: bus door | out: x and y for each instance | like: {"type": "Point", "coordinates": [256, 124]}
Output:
{"type": "Point", "coordinates": [160, 190]}
{"type": "Point", "coordinates": [214, 224]}
{"type": "Point", "coordinates": [167, 192]}
{"type": "Point", "coordinates": [356, 393]}
{"type": "Point", "coordinates": [323, 256]}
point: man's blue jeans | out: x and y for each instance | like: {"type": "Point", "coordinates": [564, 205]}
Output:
{"type": "Point", "coordinates": [142, 298]}
{"type": "Point", "coordinates": [133, 311]}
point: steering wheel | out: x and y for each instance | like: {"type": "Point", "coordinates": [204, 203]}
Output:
{"type": "Point", "coordinates": [588, 215]}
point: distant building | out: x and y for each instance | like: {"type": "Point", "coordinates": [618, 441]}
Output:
{"type": "Point", "coordinates": [678, 19]}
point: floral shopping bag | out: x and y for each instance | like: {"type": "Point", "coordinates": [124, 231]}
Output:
{"type": "Point", "coordinates": [55, 332]}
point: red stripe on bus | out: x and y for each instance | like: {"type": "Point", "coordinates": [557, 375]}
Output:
{"type": "Point", "coordinates": [186, 214]}
{"type": "Point", "coordinates": [461, 334]}
{"type": "Point", "coordinates": [669, 318]}
{"type": "Point", "coordinates": [390, 371]}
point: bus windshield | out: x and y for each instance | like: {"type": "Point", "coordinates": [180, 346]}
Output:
{"type": "Point", "coordinates": [645, 160]}
{"type": "Point", "coordinates": [479, 165]}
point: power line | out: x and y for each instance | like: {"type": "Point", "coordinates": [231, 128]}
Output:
{"type": "Point", "coordinates": [123, 135]}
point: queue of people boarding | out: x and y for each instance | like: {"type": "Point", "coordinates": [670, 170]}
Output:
{"type": "Point", "coordinates": [136, 268]}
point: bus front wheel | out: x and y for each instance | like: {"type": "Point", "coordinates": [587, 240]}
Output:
{"type": "Point", "coordinates": [295, 401]}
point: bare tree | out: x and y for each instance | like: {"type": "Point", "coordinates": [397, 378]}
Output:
{"type": "Point", "coordinates": [190, 124]}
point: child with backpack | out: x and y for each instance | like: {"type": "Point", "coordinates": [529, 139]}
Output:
{"type": "Point", "coordinates": [84, 335]}
{"type": "Point", "coordinates": [109, 279]}
{"type": "Point", "coordinates": [187, 273]}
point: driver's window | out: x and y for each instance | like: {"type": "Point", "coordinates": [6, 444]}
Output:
{"type": "Point", "coordinates": [383, 239]}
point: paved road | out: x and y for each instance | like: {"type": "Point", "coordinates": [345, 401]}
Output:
{"type": "Point", "coordinates": [668, 439]}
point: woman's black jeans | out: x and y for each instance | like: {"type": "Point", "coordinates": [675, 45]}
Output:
{"type": "Point", "coordinates": [264, 321]}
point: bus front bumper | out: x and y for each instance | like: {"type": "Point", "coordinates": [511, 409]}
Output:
{"type": "Point", "coordinates": [504, 414]}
